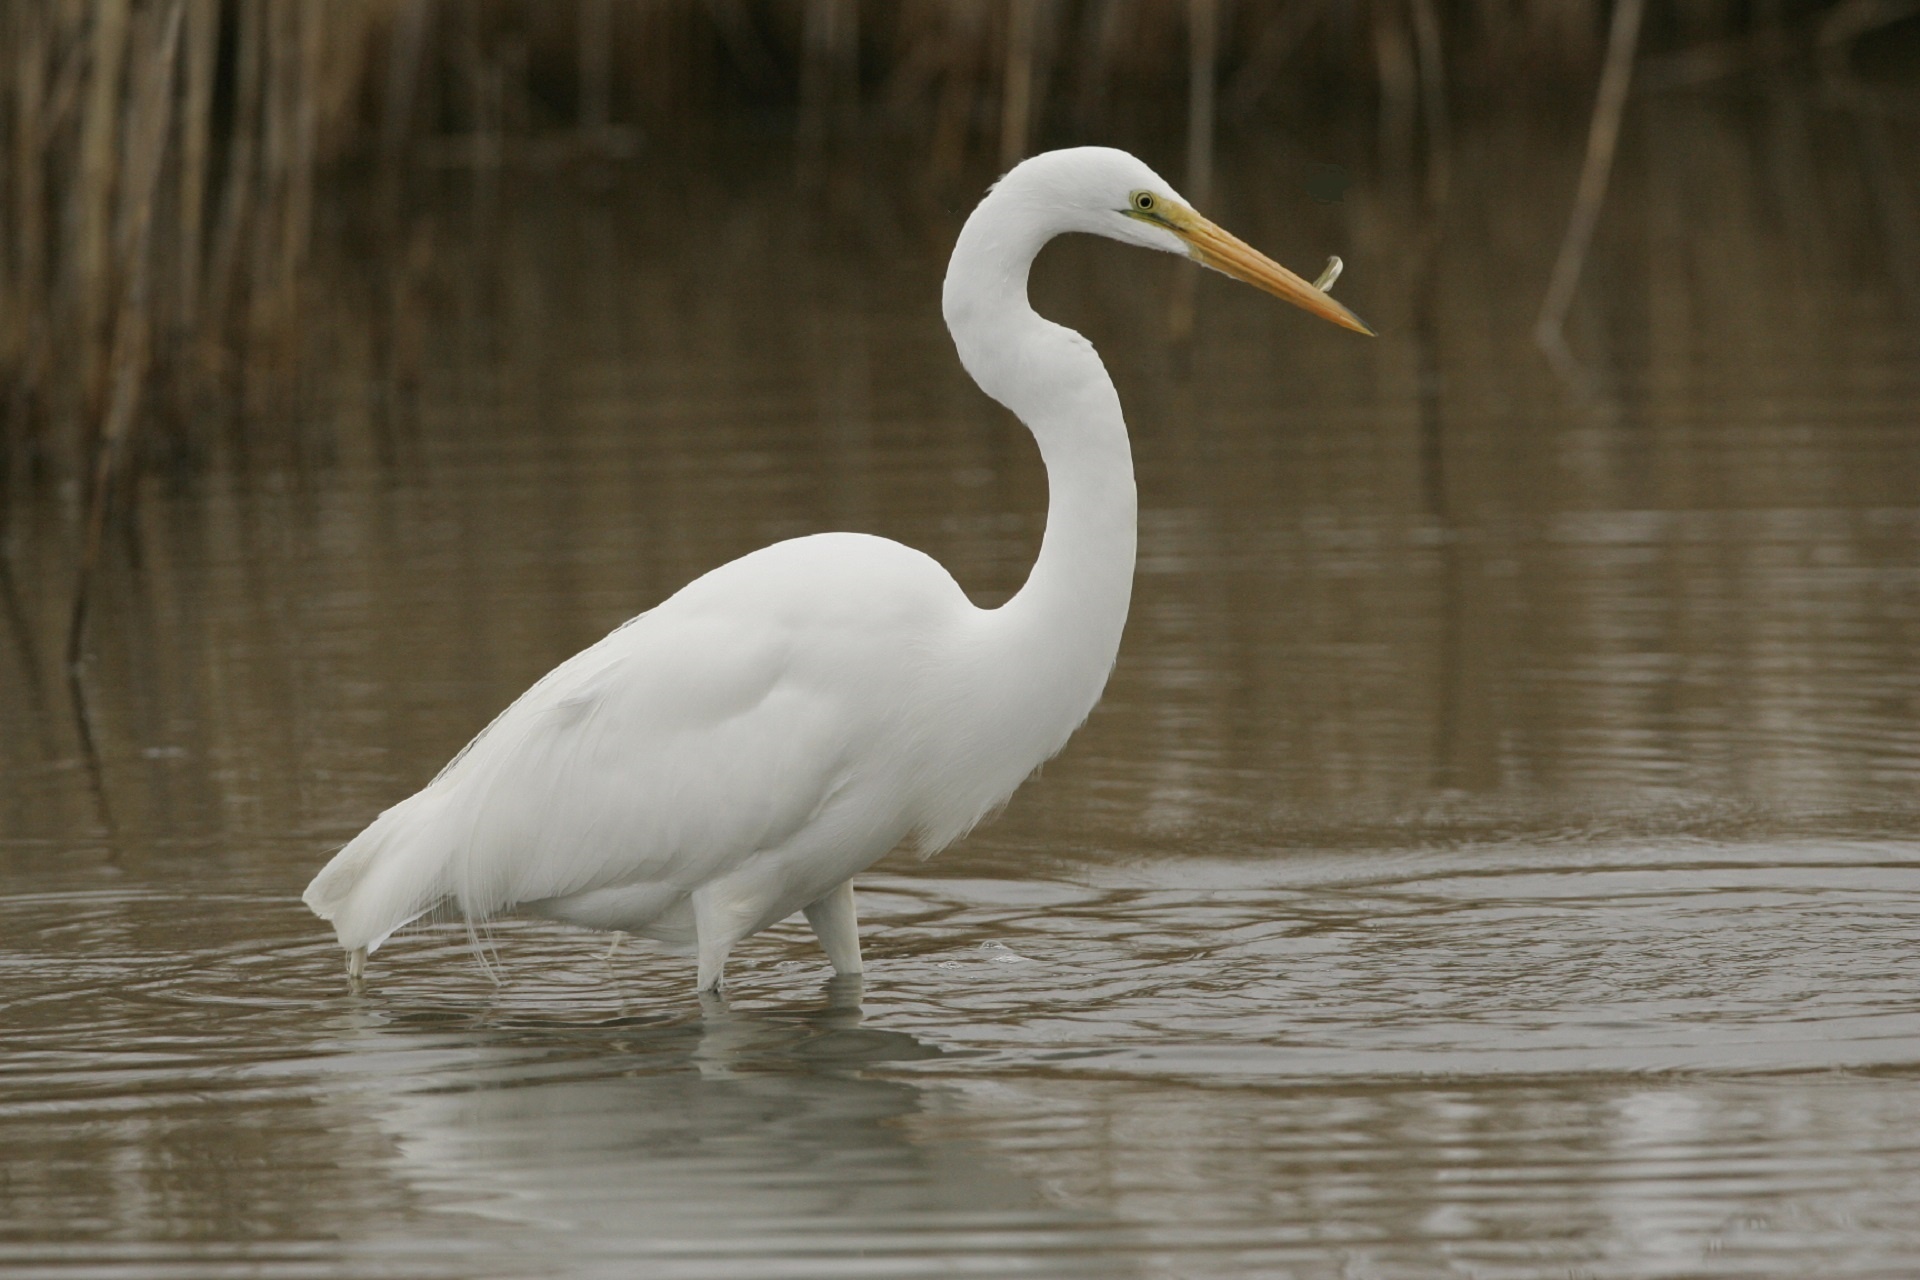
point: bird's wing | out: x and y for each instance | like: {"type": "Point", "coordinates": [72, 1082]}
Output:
{"type": "Point", "coordinates": [668, 753]}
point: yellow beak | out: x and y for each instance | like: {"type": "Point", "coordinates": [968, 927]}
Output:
{"type": "Point", "coordinates": [1230, 255]}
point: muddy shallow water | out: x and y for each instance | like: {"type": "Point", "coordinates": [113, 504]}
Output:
{"type": "Point", "coordinates": [1497, 852]}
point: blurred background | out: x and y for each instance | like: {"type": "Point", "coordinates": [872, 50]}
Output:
{"type": "Point", "coordinates": [178, 173]}
{"type": "Point", "coordinates": [1497, 851]}
{"type": "Point", "coordinates": [1648, 279]}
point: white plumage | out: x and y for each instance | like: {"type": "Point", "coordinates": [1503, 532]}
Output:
{"type": "Point", "coordinates": [742, 750]}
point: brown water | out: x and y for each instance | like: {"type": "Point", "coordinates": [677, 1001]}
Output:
{"type": "Point", "coordinates": [1497, 853]}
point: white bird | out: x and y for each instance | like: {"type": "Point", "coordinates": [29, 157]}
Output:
{"type": "Point", "coordinates": [742, 750]}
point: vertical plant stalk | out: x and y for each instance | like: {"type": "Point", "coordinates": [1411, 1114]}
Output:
{"type": "Point", "coordinates": [1092, 63]}
{"type": "Point", "coordinates": [1203, 60]}
{"type": "Point", "coordinates": [24, 369]}
{"type": "Point", "coordinates": [1603, 136]}
{"type": "Point", "coordinates": [744, 44]}
{"type": "Point", "coordinates": [99, 139]}
{"type": "Point", "coordinates": [196, 132]}
{"type": "Point", "coordinates": [1430, 68]}
{"type": "Point", "coordinates": [13, 23]}
{"type": "Point", "coordinates": [150, 122]}
{"type": "Point", "coordinates": [9, 306]}
{"type": "Point", "coordinates": [407, 43]}
{"type": "Point", "coordinates": [1016, 90]}
{"type": "Point", "coordinates": [239, 199]}
{"type": "Point", "coordinates": [829, 75]}
{"type": "Point", "coordinates": [303, 127]}
{"type": "Point", "coordinates": [31, 53]}
{"type": "Point", "coordinates": [1397, 72]}
{"type": "Point", "coordinates": [281, 57]}
{"type": "Point", "coordinates": [1431, 63]}
{"type": "Point", "coordinates": [846, 62]}
{"type": "Point", "coordinates": [596, 78]}
{"type": "Point", "coordinates": [966, 41]}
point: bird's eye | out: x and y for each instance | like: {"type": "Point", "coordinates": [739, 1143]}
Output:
{"type": "Point", "coordinates": [1143, 201]}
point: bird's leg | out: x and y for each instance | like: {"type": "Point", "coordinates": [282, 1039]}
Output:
{"type": "Point", "coordinates": [714, 936]}
{"type": "Point", "coordinates": [838, 928]}
{"type": "Point", "coordinates": [843, 992]}
{"type": "Point", "coordinates": [713, 969]}
{"type": "Point", "coordinates": [356, 964]}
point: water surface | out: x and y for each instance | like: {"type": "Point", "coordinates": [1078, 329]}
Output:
{"type": "Point", "coordinates": [1497, 852]}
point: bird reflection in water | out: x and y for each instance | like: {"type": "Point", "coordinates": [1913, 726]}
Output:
{"type": "Point", "coordinates": [744, 1132]}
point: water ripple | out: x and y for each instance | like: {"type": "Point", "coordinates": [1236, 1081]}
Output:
{"type": "Point", "coordinates": [1694, 1057]}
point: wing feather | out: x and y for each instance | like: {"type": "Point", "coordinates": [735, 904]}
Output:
{"type": "Point", "coordinates": [684, 742]}
{"type": "Point", "coordinates": [665, 754]}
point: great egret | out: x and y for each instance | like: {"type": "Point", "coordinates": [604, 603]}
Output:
{"type": "Point", "coordinates": [741, 751]}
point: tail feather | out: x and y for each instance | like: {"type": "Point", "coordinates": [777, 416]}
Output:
{"type": "Point", "coordinates": [385, 878]}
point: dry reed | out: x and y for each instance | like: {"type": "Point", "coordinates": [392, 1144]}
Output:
{"type": "Point", "coordinates": [160, 160]}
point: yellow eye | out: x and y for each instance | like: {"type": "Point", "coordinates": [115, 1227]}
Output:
{"type": "Point", "coordinates": [1143, 201]}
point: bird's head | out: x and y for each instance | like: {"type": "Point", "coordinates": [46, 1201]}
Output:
{"type": "Point", "coordinates": [1106, 192]}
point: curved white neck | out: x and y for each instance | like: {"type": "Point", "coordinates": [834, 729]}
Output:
{"type": "Point", "coordinates": [1052, 645]}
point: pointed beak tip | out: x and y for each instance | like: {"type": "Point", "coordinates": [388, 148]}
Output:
{"type": "Point", "coordinates": [1343, 316]}
{"type": "Point", "coordinates": [1212, 247]}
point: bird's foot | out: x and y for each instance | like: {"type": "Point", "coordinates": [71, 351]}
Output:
{"type": "Point", "coordinates": [844, 991]}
